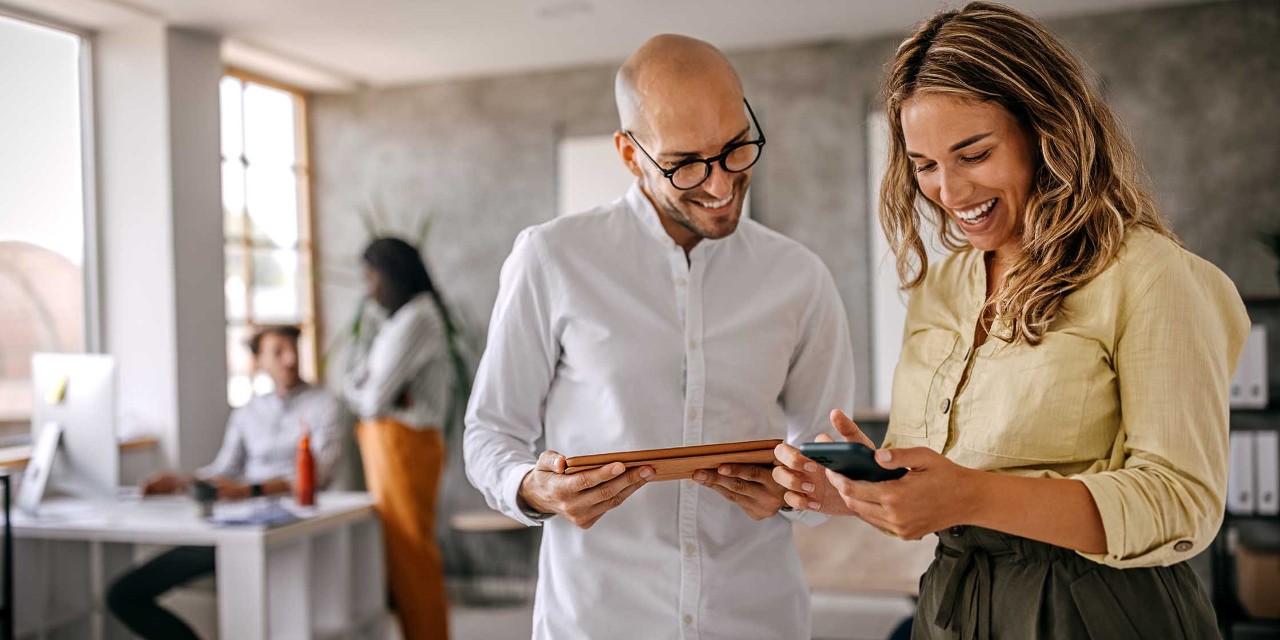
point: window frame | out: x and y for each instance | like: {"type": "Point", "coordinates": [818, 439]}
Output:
{"type": "Point", "coordinates": [92, 271]}
{"type": "Point", "coordinates": [91, 268]}
{"type": "Point", "coordinates": [307, 244]}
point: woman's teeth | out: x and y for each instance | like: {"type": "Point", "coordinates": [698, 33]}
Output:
{"type": "Point", "coordinates": [978, 213]}
{"type": "Point", "coordinates": [717, 204]}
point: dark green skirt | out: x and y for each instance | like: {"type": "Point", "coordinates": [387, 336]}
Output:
{"type": "Point", "coordinates": [985, 584]}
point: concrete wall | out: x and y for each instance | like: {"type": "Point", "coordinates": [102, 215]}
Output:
{"type": "Point", "coordinates": [1198, 86]}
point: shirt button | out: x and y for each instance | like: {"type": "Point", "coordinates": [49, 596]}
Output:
{"type": "Point", "coordinates": [689, 549]}
{"type": "Point", "coordinates": [945, 406]}
{"type": "Point", "coordinates": [1183, 546]}
{"type": "Point", "coordinates": [680, 282]}
{"type": "Point", "coordinates": [688, 619]}
{"type": "Point", "coordinates": [693, 414]}
{"type": "Point", "coordinates": [693, 344]}
{"type": "Point", "coordinates": [956, 531]}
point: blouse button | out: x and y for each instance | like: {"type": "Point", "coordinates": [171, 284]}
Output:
{"type": "Point", "coordinates": [945, 406]}
{"type": "Point", "coordinates": [1183, 546]}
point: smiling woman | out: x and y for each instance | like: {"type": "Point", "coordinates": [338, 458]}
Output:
{"type": "Point", "coordinates": [1060, 401]}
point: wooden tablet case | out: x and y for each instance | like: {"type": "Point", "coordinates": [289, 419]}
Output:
{"type": "Point", "coordinates": [678, 463]}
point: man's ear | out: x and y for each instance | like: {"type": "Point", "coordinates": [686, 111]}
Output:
{"type": "Point", "coordinates": [627, 152]}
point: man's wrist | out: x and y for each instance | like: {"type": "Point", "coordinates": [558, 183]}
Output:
{"type": "Point", "coordinates": [524, 504]}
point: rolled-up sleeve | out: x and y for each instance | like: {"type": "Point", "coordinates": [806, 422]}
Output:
{"type": "Point", "coordinates": [821, 375]}
{"type": "Point", "coordinates": [1162, 500]}
{"type": "Point", "coordinates": [230, 461]}
{"type": "Point", "coordinates": [504, 416]}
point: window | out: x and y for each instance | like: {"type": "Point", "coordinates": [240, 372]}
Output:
{"type": "Point", "coordinates": [44, 209]}
{"type": "Point", "coordinates": [266, 224]}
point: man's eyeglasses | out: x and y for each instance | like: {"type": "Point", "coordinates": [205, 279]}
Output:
{"type": "Point", "coordinates": [738, 157]}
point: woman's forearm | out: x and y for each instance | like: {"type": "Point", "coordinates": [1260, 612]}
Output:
{"type": "Point", "coordinates": [1057, 511]}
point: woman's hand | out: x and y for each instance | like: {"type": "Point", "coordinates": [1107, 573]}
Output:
{"type": "Point", "coordinates": [808, 487]}
{"type": "Point", "coordinates": [935, 494]}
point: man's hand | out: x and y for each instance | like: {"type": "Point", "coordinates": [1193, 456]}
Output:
{"type": "Point", "coordinates": [582, 497]}
{"type": "Point", "coordinates": [230, 489]}
{"type": "Point", "coordinates": [750, 486]}
{"type": "Point", "coordinates": [163, 483]}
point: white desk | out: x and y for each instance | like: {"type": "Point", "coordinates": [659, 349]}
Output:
{"type": "Point", "coordinates": [322, 577]}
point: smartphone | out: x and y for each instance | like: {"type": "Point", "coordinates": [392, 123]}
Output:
{"type": "Point", "coordinates": [850, 459]}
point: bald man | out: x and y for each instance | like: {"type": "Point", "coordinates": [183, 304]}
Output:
{"type": "Point", "coordinates": [661, 319]}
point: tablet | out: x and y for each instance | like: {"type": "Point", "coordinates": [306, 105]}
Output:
{"type": "Point", "coordinates": [678, 463]}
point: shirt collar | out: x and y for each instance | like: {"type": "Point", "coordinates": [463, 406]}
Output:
{"type": "Point", "coordinates": [649, 218]}
{"type": "Point", "coordinates": [644, 210]}
{"type": "Point", "coordinates": [278, 399]}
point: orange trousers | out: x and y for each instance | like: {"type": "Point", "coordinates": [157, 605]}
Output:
{"type": "Point", "coordinates": [402, 468]}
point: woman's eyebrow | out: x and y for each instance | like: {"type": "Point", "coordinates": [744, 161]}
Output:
{"type": "Point", "coordinates": [955, 147]}
{"type": "Point", "coordinates": [970, 140]}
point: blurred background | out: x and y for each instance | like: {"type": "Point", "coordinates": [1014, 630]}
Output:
{"type": "Point", "coordinates": [174, 173]}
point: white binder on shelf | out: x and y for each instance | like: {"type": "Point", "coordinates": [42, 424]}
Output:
{"type": "Point", "coordinates": [1266, 456]}
{"type": "Point", "coordinates": [1249, 386]}
{"type": "Point", "coordinates": [1241, 480]}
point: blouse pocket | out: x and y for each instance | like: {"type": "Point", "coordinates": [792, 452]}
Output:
{"type": "Point", "coordinates": [915, 379]}
{"type": "Point", "coordinates": [1028, 403]}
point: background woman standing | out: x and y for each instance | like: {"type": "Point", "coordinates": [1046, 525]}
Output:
{"type": "Point", "coordinates": [401, 391]}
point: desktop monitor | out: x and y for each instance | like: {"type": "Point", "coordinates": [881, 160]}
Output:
{"type": "Point", "coordinates": [77, 392]}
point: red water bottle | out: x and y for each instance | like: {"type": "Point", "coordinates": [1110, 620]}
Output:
{"type": "Point", "coordinates": [304, 481]}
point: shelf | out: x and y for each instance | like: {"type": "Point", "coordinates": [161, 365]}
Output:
{"type": "Point", "coordinates": [1269, 409]}
{"type": "Point", "coordinates": [1253, 517]}
{"type": "Point", "coordinates": [1261, 299]}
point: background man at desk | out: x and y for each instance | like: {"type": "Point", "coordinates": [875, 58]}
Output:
{"type": "Point", "coordinates": [257, 458]}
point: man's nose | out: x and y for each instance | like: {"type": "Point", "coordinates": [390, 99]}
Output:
{"type": "Point", "coordinates": [720, 183]}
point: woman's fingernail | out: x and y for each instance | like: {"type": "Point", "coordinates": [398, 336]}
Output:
{"type": "Point", "coordinates": [884, 455]}
{"type": "Point", "coordinates": [810, 467]}
{"type": "Point", "coordinates": [646, 472]}
{"type": "Point", "coordinates": [814, 506]}
{"type": "Point", "coordinates": [808, 486]}
{"type": "Point", "coordinates": [700, 476]}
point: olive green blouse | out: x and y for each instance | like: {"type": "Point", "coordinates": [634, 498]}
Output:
{"type": "Point", "coordinates": [1127, 392]}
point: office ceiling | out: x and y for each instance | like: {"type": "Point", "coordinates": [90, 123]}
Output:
{"type": "Point", "coordinates": [394, 42]}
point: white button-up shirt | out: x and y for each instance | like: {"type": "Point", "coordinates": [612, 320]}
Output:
{"type": "Point", "coordinates": [606, 338]}
{"type": "Point", "coordinates": [408, 358]}
{"type": "Point", "coordinates": [261, 441]}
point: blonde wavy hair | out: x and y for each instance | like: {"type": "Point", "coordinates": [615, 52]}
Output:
{"type": "Point", "coordinates": [1088, 186]}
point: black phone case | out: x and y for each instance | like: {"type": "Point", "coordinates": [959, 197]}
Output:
{"type": "Point", "coordinates": [850, 459]}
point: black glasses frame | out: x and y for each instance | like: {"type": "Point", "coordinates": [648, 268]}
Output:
{"type": "Point", "coordinates": [669, 174]}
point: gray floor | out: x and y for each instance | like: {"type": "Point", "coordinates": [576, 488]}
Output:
{"type": "Point", "coordinates": [835, 617]}
{"type": "Point", "coordinates": [491, 623]}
